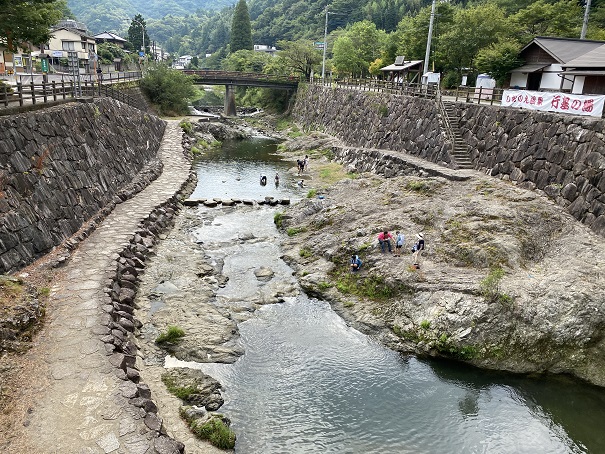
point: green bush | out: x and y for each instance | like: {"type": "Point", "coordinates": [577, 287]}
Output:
{"type": "Point", "coordinates": [490, 288]}
{"type": "Point", "coordinates": [173, 334]}
{"type": "Point", "coordinates": [187, 127]}
{"type": "Point", "coordinates": [167, 88]}
{"type": "Point", "coordinates": [278, 219]}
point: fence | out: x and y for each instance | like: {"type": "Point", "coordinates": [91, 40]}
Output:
{"type": "Point", "coordinates": [382, 86]}
{"type": "Point", "coordinates": [37, 93]}
{"type": "Point", "coordinates": [479, 95]}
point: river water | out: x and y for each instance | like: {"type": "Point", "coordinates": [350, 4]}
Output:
{"type": "Point", "coordinates": [308, 383]}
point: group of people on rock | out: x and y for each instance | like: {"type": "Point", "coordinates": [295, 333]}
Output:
{"type": "Point", "coordinates": [303, 164]}
{"type": "Point", "coordinates": [385, 239]}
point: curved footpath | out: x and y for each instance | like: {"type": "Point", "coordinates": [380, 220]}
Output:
{"type": "Point", "coordinates": [77, 403]}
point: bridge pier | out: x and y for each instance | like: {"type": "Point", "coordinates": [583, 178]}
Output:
{"type": "Point", "coordinates": [230, 101]}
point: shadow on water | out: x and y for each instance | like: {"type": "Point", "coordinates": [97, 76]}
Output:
{"type": "Point", "coordinates": [575, 406]}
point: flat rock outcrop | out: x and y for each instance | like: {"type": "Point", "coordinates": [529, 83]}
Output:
{"type": "Point", "coordinates": [508, 279]}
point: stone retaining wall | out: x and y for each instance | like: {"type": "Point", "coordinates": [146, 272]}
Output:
{"type": "Point", "coordinates": [374, 120]}
{"type": "Point", "coordinates": [61, 166]}
{"type": "Point", "coordinates": [562, 155]}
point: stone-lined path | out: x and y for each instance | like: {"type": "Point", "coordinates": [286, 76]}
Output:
{"type": "Point", "coordinates": [77, 403]}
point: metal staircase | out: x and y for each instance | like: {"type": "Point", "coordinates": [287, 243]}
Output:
{"type": "Point", "coordinates": [460, 152]}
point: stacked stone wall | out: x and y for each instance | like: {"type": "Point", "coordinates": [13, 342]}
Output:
{"type": "Point", "coordinates": [562, 155]}
{"type": "Point", "coordinates": [374, 120]}
{"type": "Point", "coordinates": [61, 166]}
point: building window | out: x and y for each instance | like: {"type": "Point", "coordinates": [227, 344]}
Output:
{"type": "Point", "coordinates": [69, 45]}
{"type": "Point", "coordinates": [83, 45]}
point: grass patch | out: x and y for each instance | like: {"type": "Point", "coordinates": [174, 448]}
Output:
{"type": "Point", "coordinates": [421, 187]}
{"type": "Point", "coordinates": [195, 150]}
{"type": "Point", "coordinates": [291, 231]}
{"type": "Point", "coordinates": [372, 287]}
{"type": "Point", "coordinates": [348, 304]}
{"type": "Point", "coordinates": [182, 392]}
{"type": "Point", "coordinates": [425, 324]}
{"type": "Point", "coordinates": [329, 154]}
{"type": "Point", "coordinates": [173, 334]}
{"type": "Point", "coordinates": [305, 252]}
{"type": "Point", "coordinates": [312, 193]}
{"type": "Point", "coordinates": [323, 285]}
{"type": "Point", "coordinates": [330, 173]}
{"type": "Point", "coordinates": [215, 431]}
{"type": "Point", "coordinates": [278, 219]}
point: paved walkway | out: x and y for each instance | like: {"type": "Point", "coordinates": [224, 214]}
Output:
{"type": "Point", "coordinates": [77, 403]}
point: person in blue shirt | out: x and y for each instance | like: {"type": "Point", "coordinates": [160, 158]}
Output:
{"type": "Point", "coordinates": [355, 263]}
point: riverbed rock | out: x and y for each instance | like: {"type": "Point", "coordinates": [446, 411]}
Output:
{"type": "Point", "coordinates": [201, 389]}
{"type": "Point", "coordinates": [264, 273]}
{"type": "Point", "coordinates": [542, 312]}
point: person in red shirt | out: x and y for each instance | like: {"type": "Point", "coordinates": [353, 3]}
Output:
{"type": "Point", "coordinates": [384, 238]}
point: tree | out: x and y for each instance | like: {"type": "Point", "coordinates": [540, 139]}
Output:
{"type": "Point", "coordinates": [299, 57]}
{"type": "Point", "coordinates": [241, 30]}
{"type": "Point", "coordinates": [136, 31]}
{"type": "Point", "coordinates": [412, 31]}
{"type": "Point", "coordinates": [498, 59]}
{"type": "Point", "coordinates": [168, 88]}
{"type": "Point", "coordinates": [361, 44]}
{"type": "Point", "coordinates": [541, 18]}
{"type": "Point", "coordinates": [28, 21]}
{"type": "Point", "coordinates": [246, 61]}
{"type": "Point", "coordinates": [472, 29]}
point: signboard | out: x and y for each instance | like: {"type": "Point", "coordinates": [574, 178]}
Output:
{"type": "Point", "coordinates": [555, 102]}
{"type": "Point", "coordinates": [318, 45]}
{"type": "Point", "coordinates": [18, 61]}
{"type": "Point", "coordinates": [44, 65]}
{"type": "Point", "coordinates": [57, 53]}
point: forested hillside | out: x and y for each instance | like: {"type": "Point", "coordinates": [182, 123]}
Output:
{"type": "Point", "coordinates": [115, 15]}
{"type": "Point", "coordinates": [363, 35]}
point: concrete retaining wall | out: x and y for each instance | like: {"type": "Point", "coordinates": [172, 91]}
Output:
{"type": "Point", "coordinates": [61, 166]}
{"type": "Point", "coordinates": [562, 155]}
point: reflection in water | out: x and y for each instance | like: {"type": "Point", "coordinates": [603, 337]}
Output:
{"type": "Point", "coordinates": [308, 383]}
{"type": "Point", "coordinates": [234, 170]}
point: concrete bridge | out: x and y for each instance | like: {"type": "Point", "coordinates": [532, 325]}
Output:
{"type": "Point", "coordinates": [232, 79]}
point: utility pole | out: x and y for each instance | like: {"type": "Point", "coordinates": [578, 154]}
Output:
{"type": "Point", "coordinates": [428, 41]}
{"type": "Point", "coordinates": [585, 22]}
{"type": "Point", "coordinates": [323, 64]}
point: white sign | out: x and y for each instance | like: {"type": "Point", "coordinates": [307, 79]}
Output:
{"type": "Point", "coordinates": [555, 102]}
{"type": "Point", "coordinates": [57, 53]}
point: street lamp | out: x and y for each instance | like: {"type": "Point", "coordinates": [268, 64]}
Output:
{"type": "Point", "coordinates": [323, 64]}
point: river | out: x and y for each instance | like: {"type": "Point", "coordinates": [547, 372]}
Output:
{"type": "Point", "coordinates": [308, 383]}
